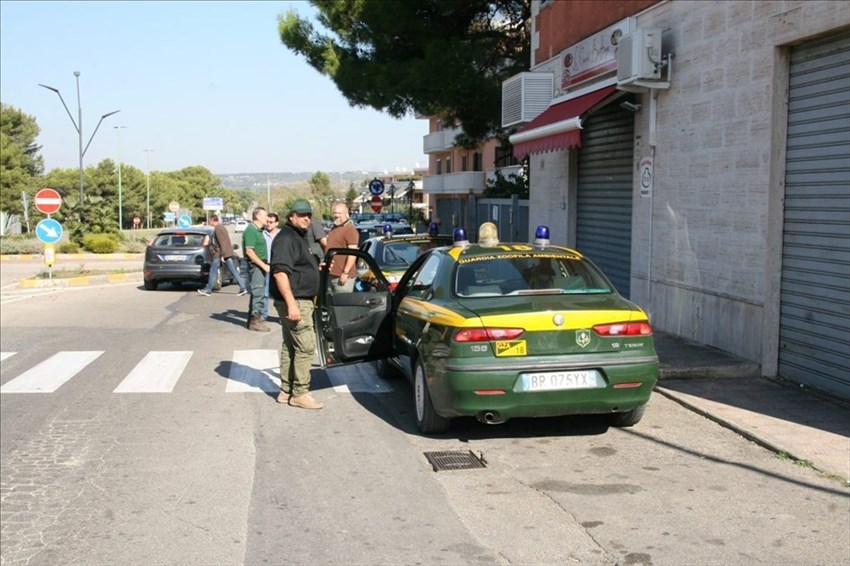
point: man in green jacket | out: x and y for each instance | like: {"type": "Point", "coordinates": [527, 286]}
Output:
{"type": "Point", "coordinates": [257, 254]}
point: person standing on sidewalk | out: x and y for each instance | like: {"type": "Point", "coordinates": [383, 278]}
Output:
{"type": "Point", "coordinates": [257, 254]}
{"type": "Point", "coordinates": [221, 249]}
{"type": "Point", "coordinates": [343, 235]}
{"type": "Point", "coordinates": [270, 231]}
{"type": "Point", "coordinates": [294, 288]}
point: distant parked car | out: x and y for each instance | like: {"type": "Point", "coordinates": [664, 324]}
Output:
{"type": "Point", "coordinates": [372, 229]}
{"type": "Point", "coordinates": [241, 225]}
{"type": "Point", "coordinates": [182, 255]}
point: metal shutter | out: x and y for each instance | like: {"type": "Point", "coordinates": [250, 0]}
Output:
{"type": "Point", "coordinates": [814, 332]}
{"type": "Point", "coordinates": [604, 195]}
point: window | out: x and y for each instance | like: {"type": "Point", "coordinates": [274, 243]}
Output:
{"type": "Point", "coordinates": [463, 163]}
{"type": "Point", "coordinates": [505, 156]}
{"type": "Point", "coordinates": [419, 286]}
{"type": "Point", "coordinates": [439, 167]}
{"type": "Point", "coordinates": [448, 164]}
{"type": "Point", "coordinates": [477, 161]}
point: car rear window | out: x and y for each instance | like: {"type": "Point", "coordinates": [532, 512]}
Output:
{"type": "Point", "coordinates": [402, 254]}
{"type": "Point", "coordinates": [527, 274]}
{"type": "Point", "coordinates": [179, 240]}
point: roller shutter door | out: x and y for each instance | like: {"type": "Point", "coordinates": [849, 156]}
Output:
{"type": "Point", "coordinates": [814, 334]}
{"type": "Point", "coordinates": [604, 194]}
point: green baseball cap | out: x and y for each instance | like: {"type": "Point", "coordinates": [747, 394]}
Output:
{"type": "Point", "coordinates": [301, 206]}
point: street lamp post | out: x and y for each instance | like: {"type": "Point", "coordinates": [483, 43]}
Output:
{"type": "Point", "coordinates": [410, 188]}
{"type": "Point", "coordinates": [78, 124]}
{"type": "Point", "coordinates": [392, 198]}
{"type": "Point", "coordinates": [148, 152]}
{"type": "Point", "coordinates": [120, 202]}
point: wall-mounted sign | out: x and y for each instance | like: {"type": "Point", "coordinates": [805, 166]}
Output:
{"type": "Point", "coordinates": [646, 174]}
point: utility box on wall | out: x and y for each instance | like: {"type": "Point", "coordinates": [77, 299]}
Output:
{"type": "Point", "coordinates": [639, 56]}
{"type": "Point", "coordinates": [525, 96]}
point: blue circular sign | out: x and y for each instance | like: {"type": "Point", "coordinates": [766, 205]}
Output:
{"type": "Point", "coordinates": [48, 231]}
{"type": "Point", "coordinates": [376, 187]}
{"type": "Point", "coordinates": [184, 221]}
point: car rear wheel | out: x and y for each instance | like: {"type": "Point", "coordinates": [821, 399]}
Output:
{"type": "Point", "coordinates": [629, 418]}
{"type": "Point", "coordinates": [150, 284]}
{"type": "Point", "coordinates": [427, 419]}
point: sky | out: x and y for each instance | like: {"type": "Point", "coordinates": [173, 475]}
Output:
{"type": "Point", "coordinates": [204, 83]}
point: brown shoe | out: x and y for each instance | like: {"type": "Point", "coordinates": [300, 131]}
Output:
{"type": "Point", "coordinates": [283, 397]}
{"type": "Point", "coordinates": [256, 324]}
{"type": "Point", "coordinates": [305, 401]}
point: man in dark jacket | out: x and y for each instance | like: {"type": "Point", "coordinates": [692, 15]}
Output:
{"type": "Point", "coordinates": [295, 285]}
{"type": "Point", "coordinates": [222, 250]}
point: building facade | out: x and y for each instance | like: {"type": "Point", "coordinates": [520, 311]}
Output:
{"type": "Point", "coordinates": [699, 153]}
{"type": "Point", "coordinates": [455, 173]}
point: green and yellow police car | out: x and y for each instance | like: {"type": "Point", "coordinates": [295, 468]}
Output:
{"type": "Point", "coordinates": [495, 331]}
{"type": "Point", "coordinates": [394, 253]}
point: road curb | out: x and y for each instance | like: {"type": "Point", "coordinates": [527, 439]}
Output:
{"type": "Point", "coordinates": [80, 281]}
{"type": "Point", "coordinates": [81, 256]}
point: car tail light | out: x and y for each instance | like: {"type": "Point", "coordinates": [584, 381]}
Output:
{"type": "Point", "coordinates": [487, 334]}
{"type": "Point", "coordinates": [623, 329]}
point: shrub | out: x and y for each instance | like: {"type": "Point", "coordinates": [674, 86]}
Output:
{"type": "Point", "coordinates": [101, 243]}
{"type": "Point", "coordinates": [68, 248]}
{"type": "Point", "coordinates": [134, 243]}
{"type": "Point", "coordinates": [21, 244]}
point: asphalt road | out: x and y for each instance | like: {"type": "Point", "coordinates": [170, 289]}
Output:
{"type": "Point", "coordinates": [201, 466]}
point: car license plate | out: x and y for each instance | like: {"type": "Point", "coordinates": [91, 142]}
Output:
{"type": "Point", "coordinates": [559, 380]}
{"type": "Point", "coordinates": [175, 258]}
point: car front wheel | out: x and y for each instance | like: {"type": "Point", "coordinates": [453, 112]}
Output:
{"type": "Point", "coordinates": [427, 419]}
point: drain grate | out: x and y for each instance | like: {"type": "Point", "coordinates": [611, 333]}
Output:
{"type": "Point", "coordinates": [455, 460]}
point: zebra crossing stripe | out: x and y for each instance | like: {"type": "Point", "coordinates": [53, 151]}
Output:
{"type": "Point", "coordinates": [254, 371]}
{"type": "Point", "coordinates": [4, 355]}
{"type": "Point", "coordinates": [158, 372]}
{"type": "Point", "coordinates": [357, 378]}
{"type": "Point", "coordinates": [49, 375]}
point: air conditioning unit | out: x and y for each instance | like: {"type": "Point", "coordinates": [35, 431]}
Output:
{"type": "Point", "coordinates": [639, 56]}
{"type": "Point", "coordinates": [525, 96]}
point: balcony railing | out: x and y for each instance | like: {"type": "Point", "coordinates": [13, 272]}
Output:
{"type": "Point", "coordinates": [453, 183]}
{"type": "Point", "coordinates": [443, 140]}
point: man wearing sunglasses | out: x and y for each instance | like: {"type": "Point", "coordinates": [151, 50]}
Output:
{"type": "Point", "coordinates": [294, 287]}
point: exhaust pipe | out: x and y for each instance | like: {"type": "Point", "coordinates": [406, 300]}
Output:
{"type": "Point", "coordinates": [490, 418]}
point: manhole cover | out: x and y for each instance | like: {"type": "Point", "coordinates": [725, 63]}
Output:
{"type": "Point", "coordinates": [455, 460]}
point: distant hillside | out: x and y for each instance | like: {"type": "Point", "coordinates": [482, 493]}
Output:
{"type": "Point", "coordinates": [260, 181]}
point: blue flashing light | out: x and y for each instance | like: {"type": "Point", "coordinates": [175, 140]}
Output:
{"type": "Point", "coordinates": [541, 236]}
{"type": "Point", "coordinates": [460, 238]}
{"type": "Point", "coordinates": [388, 230]}
{"type": "Point", "coordinates": [433, 229]}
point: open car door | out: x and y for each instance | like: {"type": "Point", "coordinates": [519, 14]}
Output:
{"type": "Point", "coordinates": [354, 324]}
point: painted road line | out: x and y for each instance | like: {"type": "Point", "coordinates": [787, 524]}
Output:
{"type": "Point", "coordinates": [357, 378]}
{"type": "Point", "coordinates": [49, 375]}
{"type": "Point", "coordinates": [5, 355]}
{"type": "Point", "coordinates": [158, 372]}
{"type": "Point", "coordinates": [254, 371]}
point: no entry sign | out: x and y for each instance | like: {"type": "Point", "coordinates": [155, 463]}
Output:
{"type": "Point", "coordinates": [47, 201]}
{"type": "Point", "coordinates": [376, 203]}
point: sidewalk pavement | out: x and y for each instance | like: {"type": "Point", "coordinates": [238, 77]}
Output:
{"type": "Point", "coordinates": [782, 416]}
